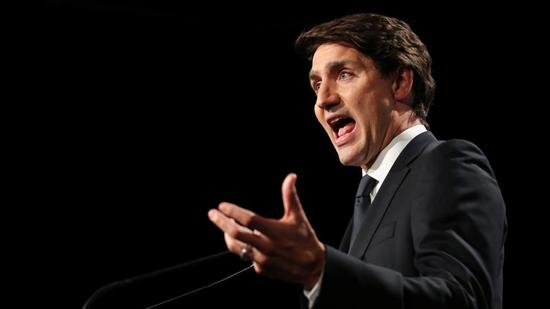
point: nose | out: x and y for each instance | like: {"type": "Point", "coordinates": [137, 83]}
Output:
{"type": "Point", "coordinates": [327, 98]}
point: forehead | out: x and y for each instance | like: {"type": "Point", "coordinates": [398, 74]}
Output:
{"type": "Point", "coordinates": [332, 56]}
{"type": "Point", "coordinates": [334, 52]}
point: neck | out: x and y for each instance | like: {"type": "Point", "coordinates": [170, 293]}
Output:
{"type": "Point", "coordinates": [402, 120]}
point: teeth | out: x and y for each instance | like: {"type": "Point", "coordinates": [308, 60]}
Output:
{"type": "Point", "coordinates": [335, 120]}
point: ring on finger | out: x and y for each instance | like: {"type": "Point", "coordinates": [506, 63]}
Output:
{"type": "Point", "coordinates": [246, 253]}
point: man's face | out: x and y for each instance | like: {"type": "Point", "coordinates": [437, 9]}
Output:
{"type": "Point", "coordinates": [354, 103]}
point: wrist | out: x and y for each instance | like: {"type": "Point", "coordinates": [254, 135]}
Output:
{"type": "Point", "coordinates": [316, 269]}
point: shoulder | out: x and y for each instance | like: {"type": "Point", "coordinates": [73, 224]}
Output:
{"type": "Point", "coordinates": [454, 153]}
{"type": "Point", "coordinates": [454, 171]}
{"type": "Point", "coordinates": [456, 147]}
{"type": "Point", "coordinates": [458, 157]}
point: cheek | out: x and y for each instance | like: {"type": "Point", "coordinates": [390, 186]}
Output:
{"type": "Point", "coordinates": [318, 114]}
{"type": "Point", "coordinates": [320, 118]}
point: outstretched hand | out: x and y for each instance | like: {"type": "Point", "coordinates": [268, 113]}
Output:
{"type": "Point", "coordinates": [285, 248]}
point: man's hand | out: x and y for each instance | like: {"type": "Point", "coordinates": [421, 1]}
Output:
{"type": "Point", "coordinates": [285, 249]}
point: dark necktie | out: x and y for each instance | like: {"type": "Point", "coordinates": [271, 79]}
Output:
{"type": "Point", "coordinates": [362, 202]}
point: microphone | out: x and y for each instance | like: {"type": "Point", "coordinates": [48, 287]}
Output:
{"type": "Point", "coordinates": [140, 291]}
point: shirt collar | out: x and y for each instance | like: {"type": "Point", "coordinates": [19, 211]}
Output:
{"type": "Point", "coordinates": [385, 160]}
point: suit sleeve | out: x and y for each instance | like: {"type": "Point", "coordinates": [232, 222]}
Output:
{"type": "Point", "coordinates": [457, 230]}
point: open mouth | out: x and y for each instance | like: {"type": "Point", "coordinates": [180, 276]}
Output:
{"type": "Point", "coordinates": [342, 127]}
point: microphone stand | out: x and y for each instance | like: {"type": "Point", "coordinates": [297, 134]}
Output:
{"type": "Point", "coordinates": [168, 281]}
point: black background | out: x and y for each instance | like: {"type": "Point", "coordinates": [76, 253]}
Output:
{"type": "Point", "coordinates": [135, 118]}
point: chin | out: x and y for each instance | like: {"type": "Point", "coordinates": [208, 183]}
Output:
{"type": "Point", "coordinates": [347, 159]}
{"type": "Point", "coordinates": [351, 155]}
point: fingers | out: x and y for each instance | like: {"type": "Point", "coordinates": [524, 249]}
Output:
{"type": "Point", "coordinates": [293, 213]}
{"type": "Point", "coordinates": [291, 201]}
{"type": "Point", "coordinates": [229, 226]}
{"type": "Point", "coordinates": [247, 253]}
{"type": "Point", "coordinates": [251, 220]}
{"type": "Point", "coordinates": [245, 217]}
{"type": "Point", "coordinates": [286, 248]}
{"type": "Point", "coordinates": [238, 232]}
{"type": "Point", "coordinates": [244, 250]}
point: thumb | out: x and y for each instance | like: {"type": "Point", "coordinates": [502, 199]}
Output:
{"type": "Point", "coordinates": [291, 201]}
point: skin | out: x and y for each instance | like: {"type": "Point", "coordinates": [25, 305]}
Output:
{"type": "Point", "coordinates": [347, 84]}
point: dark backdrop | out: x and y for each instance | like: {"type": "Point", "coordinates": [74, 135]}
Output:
{"type": "Point", "coordinates": [133, 127]}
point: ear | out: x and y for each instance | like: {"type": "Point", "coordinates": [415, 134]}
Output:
{"type": "Point", "coordinates": [402, 85]}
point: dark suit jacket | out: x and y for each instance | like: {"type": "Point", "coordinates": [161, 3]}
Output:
{"type": "Point", "coordinates": [433, 237]}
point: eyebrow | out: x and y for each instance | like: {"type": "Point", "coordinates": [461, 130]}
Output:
{"type": "Point", "coordinates": [331, 66]}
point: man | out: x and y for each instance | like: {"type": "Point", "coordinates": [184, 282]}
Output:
{"type": "Point", "coordinates": [433, 235]}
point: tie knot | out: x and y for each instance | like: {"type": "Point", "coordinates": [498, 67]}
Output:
{"type": "Point", "coordinates": [366, 185]}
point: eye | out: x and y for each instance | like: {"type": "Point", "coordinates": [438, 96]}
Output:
{"type": "Point", "coordinates": [316, 84]}
{"type": "Point", "coordinates": [344, 75]}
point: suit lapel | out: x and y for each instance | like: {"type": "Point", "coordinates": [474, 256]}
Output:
{"type": "Point", "coordinates": [385, 195]}
{"type": "Point", "coordinates": [376, 212]}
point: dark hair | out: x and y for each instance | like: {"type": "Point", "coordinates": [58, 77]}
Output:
{"type": "Point", "coordinates": [388, 41]}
